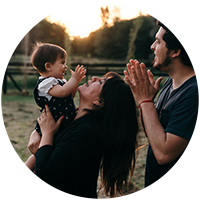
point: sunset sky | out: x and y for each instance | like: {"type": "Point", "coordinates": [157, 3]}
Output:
{"type": "Point", "coordinates": [83, 18]}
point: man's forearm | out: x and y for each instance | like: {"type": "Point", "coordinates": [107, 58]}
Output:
{"type": "Point", "coordinates": [153, 129]}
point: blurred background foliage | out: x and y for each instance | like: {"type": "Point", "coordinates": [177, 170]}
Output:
{"type": "Point", "coordinates": [120, 39]}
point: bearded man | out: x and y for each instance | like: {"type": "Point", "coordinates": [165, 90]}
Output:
{"type": "Point", "coordinates": [170, 122]}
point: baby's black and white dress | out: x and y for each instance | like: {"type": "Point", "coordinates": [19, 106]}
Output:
{"type": "Point", "coordinates": [58, 106]}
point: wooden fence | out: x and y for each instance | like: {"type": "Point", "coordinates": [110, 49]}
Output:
{"type": "Point", "coordinates": [93, 69]}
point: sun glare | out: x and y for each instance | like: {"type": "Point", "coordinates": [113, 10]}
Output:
{"type": "Point", "coordinates": [82, 20]}
{"type": "Point", "coordinates": [79, 20]}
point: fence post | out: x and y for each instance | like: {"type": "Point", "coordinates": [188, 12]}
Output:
{"type": "Point", "coordinates": [5, 79]}
{"type": "Point", "coordinates": [14, 82]}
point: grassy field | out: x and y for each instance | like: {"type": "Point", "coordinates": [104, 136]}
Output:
{"type": "Point", "coordinates": [20, 114]}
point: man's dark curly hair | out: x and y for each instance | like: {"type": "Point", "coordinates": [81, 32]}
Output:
{"type": "Point", "coordinates": [182, 32]}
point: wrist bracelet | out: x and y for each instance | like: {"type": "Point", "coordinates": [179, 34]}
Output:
{"type": "Point", "coordinates": [145, 101]}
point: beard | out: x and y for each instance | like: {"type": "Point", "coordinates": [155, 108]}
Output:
{"type": "Point", "coordinates": [164, 64]}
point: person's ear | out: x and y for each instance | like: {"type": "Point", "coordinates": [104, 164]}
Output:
{"type": "Point", "coordinates": [48, 66]}
{"type": "Point", "coordinates": [176, 53]}
{"type": "Point", "coordinates": [98, 103]}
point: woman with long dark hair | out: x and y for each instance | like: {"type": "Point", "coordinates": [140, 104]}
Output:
{"type": "Point", "coordinates": [102, 136]}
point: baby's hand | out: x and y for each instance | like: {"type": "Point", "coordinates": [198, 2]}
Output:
{"type": "Point", "coordinates": [79, 73]}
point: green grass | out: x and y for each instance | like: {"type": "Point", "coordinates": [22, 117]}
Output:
{"type": "Point", "coordinates": [20, 114]}
{"type": "Point", "coordinates": [30, 84]}
{"type": "Point", "coordinates": [16, 97]}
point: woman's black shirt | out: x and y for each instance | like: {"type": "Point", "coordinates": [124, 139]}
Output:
{"type": "Point", "coordinates": [72, 164]}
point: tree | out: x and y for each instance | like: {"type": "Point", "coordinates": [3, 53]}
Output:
{"type": "Point", "coordinates": [133, 35]}
{"type": "Point", "coordinates": [112, 42]}
{"type": "Point", "coordinates": [104, 16]}
{"type": "Point", "coordinates": [145, 39]}
{"type": "Point", "coordinates": [77, 46]}
{"type": "Point", "coordinates": [48, 32]}
{"type": "Point", "coordinates": [116, 15]}
{"type": "Point", "coordinates": [83, 46]}
{"type": "Point", "coordinates": [144, 28]}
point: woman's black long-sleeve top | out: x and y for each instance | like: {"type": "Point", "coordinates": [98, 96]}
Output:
{"type": "Point", "coordinates": [72, 164]}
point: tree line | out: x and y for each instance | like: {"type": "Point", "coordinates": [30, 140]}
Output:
{"type": "Point", "coordinates": [121, 40]}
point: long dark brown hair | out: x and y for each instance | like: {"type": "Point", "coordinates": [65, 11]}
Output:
{"type": "Point", "coordinates": [119, 127]}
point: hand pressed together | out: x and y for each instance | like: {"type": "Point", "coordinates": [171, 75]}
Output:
{"type": "Point", "coordinates": [141, 81]}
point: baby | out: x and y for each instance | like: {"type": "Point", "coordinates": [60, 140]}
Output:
{"type": "Point", "coordinates": [53, 90]}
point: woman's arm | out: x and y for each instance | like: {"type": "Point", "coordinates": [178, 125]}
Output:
{"type": "Point", "coordinates": [57, 164]}
{"type": "Point", "coordinates": [48, 126]}
{"type": "Point", "coordinates": [34, 142]}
